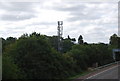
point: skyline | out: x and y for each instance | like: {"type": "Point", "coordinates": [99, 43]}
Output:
{"type": "Point", "coordinates": [95, 21]}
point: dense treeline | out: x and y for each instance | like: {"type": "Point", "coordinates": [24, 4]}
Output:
{"type": "Point", "coordinates": [35, 56]}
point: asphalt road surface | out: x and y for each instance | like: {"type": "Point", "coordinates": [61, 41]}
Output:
{"type": "Point", "coordinates": [111, 73]}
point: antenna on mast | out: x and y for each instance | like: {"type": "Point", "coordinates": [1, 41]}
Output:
{"type": "Point", "coordinates": [60, 33]}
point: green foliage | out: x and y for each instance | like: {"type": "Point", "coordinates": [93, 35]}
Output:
{"type": "Point", "coordinates": [7, 42]}
{"type": "Point", "coordinates": [87, 55]}
{"type": "Point", "coordinates": [67, 45]}
{"type": "Point", "coordinates": [9, 69]}
{"type": "Point", "coordinates": [35, 56]}
{"type": "Point", "coordinates": [53, 41]}
{"type": "Point", "coordinates": [102, 53]}
{"type": "Point", "coordinates": [10, 40]}
{"type": "Point", "coordinates": [79, 56]}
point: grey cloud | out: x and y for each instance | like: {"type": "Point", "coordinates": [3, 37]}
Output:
{"type": "Point", "coordinates": [99, 23]}
{"type": "Point", "coordinates": [89, 15]}
{"type": "Point", "coordinates": [82, 17]}
{"type": "Point", "coordinates": [108, 25]}
{"type": "Point", "coordinates": [9, 32]}
{"type": "Point", "coordinates": [72, 8]}
{"type": "Point", "coordinates": [80, 11]}
{"type": "Point", "coordinates": [96, 34]}
{"type": "Point", "coordinates": [43, 23]}
{"type": "Point", "coordinates": [15, 17]}
{"type": "Point", "coordinates": [76, 12]}
{"type": "Point", "coordinates": [17, 6]}
{"type": "Point", "coordinates": [17, 11]}
{"type": "Point", "coordinates": [18, 28]}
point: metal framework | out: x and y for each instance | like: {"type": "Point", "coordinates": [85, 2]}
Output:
{"type": "Point", "coordinates": [114, 55]}
{"type": "Point", "coordinates": [60, 32]}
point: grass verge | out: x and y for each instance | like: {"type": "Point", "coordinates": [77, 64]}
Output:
{"type": "Point", "coordinates": [80, 75]}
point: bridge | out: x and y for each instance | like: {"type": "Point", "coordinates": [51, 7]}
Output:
{"type": "Point", "coordinates": [116, 54]}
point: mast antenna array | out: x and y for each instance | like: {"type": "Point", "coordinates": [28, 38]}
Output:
{"type": "Point", "coordinates": [60, 33]}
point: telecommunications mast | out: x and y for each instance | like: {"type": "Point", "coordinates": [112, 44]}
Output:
{"type": "Point", "coordinates": [60, 32]}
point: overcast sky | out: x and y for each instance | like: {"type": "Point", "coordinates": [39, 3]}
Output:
{"type": "Point", "coordinates": [95, 21]}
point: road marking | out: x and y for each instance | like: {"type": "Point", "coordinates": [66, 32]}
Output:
{"type": "Point", "coordinates": [102, 72]}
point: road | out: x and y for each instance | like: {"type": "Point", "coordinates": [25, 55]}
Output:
{"type": "Point", "coordinates": [111, 73]}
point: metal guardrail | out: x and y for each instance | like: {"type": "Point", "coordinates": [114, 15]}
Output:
{"type": "Point", "coordinates": [106, 65]}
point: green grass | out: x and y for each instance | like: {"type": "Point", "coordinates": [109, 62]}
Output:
{"type": "Point", "coordinates": [79, 75]}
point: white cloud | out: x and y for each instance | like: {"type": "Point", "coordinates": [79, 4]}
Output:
{"type": "Point", "coordinates": [95, 21]}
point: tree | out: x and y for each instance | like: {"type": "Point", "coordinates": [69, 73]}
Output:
{"type": "Point", "coordinates": [73, 39]}
{"type": "Point", "coordinates": [114, 40]}
{"type": "Point", "coordinates": [35, 56]}
{"type": "Point", "coordinates": [3, 44]}
{"type": "Point", "coordinates": [80, 39]}
{"type": "Point", "coordinates": [23, 36]}
{"type": "Point", "coordinates": [35, 34]}
{"type": "Point", "coordinates": [9, 69]}
{"type": "Point", "coordinates": [67, 45]}
{"type": "Point", "coordinates": [38, 60]}
{"type": "Point", "coordinates": [10, 40]}
{"type": "Point", "coordinates": [69, 37]}
{"type": "Point", "coordinates": [85, 43]}
{"type": "Point", "coordinates": [79, 56]}
{"type": "Point", "coordinates": [53, 41]}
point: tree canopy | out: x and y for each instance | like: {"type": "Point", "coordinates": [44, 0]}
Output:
{"type": "Point", "coordinates": [35, 56]}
